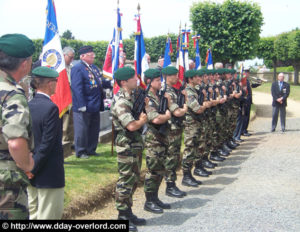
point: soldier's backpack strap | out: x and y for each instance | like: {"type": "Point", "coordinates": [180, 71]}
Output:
{"type": "Point", "coordinates": [6, 95]}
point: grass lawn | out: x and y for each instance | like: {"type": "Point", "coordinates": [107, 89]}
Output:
{"type": "Point", "coordinates": [294, 91]}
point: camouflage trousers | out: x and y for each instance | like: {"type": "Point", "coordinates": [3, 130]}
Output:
{"type": "Point", "coordinates": [223, 125]}
{"type": "Point", "coordinates": [13, 197]}
{"type": "Point", "coordinates": [214, 129]}
{"type": "Point", "coordinates": [129, 166]}
{"type": "Point", "coordinates": [233, 119]}
{"type": "Point", "coordinates": [194, 141]}
{"type": "Point", "coordinates": [156, 153]}
{"type": "Point", "coordinates": [173, 158]}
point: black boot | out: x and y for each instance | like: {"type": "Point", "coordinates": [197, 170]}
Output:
{"type": "Point", "coordinates": [124, 215]}
{"type": "Point", "coordinates": [226, 148]}
{"type": "Point", "coordinates": [160, 203]}
{"type": "Point", "coordinates": [187, 179]}
{"type": "Point", "coordinates": [207, 163]}
{"type": "Point", "coordinates": [222, 152]}
{"type": "Point", "coordinates": [214, 156]}
{"type": "Point", "coordinates": [230, 145]}
{"type": "Point", "coordinates": [135, 220]}
{"type": "Point", "coordinates": [234, 143]}
{"type": "Point", "coordinates": [151, 205]}
{"type": "Point", "coordinates": [200, 170]}
{"type": "Point", "coordinates": [173, 191]}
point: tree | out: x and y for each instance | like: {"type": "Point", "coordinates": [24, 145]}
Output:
{"type": "Point", "coordinates": [266, 51]}
{"type": "Point", "coordinates": [232, 29]}
{"type": "Point", "coordinates": [68, 35]}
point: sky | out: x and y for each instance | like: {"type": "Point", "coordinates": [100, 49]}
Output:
{"type": "Point", "coordinates": [93, 20]}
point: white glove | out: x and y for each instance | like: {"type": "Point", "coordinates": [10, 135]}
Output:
{"type": "Point", "coordinates": [82, 109]}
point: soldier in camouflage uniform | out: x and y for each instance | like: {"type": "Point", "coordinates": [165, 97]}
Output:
{"type": "Point", "coordinates": [129, 145]}
{"type": "Point", "coordinates": [156, 143]}
{"type": "Point", "coordinates": [192, 132]}
{"type": "Point", "coordinates": [176, 127]}
{"type": "Point", "coordinates": [16, 139]}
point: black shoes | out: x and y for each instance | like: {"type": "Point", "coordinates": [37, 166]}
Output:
{"type": "Point", "coordinates": [188, 180]}
{"type": "Point", "coordinates": [226, 148]}
{"type": "Point", "coordinates": [247, 134]}
{"type": "Point", "coordinates": [207, 164]}
{"type": "Point", "coordinates": [214, 156]}
{"type": "Point", "coordinates": [222, 152]}
{"type": "Point", "coordinates": [133, 220]}
{"type": "Point", "coordinates": [83, 156]}
{"type": "Point", "coordinates": [151, 205]}
{"type": "Point", "coordinates": [160, 203]}
{"type": "Point", "coordinates": [200, 170]}
{"type": "Point", "coordinates": [173, 191]}
{"type": "Point", "coordinates": [238, 140]}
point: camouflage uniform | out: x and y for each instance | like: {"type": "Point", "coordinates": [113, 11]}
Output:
{"type": "Point", "coordinates": [129, 147]}
{"type": "Point", "coordinates": [192, 131]}
{"type": "Point", "coordinates": [15, 123]}
{"type": "Point", "coordinates": [173, 156]}
{"type": "Point", "coordinates": [156, 146]}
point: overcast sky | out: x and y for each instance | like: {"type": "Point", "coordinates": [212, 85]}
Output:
{"type": "Point", "coordinates": [92, 20]}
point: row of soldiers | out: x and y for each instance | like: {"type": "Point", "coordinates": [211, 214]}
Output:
{"type": "Point", "coordinates": [204, 110]}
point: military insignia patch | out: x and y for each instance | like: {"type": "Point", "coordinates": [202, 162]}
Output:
{"type": "Point", "coordinates": [52, 58]}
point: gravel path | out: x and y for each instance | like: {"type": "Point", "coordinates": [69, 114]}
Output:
{"type": "Point", "coordinates": [256, 189]}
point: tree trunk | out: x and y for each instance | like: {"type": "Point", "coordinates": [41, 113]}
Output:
{"type": "Point", "coordinates": [296, 74]}
{"type": "Point", "coordinates": [274, 72]}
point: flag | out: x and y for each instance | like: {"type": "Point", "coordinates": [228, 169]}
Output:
{"type": "Point", "coordinates": [168, 52]}
{"type": "Point", "coordinates": [52, 56]}
{"type": "Point", "coordinates": [179, 61]}
{"type": "Point", "coordinates": [140, 59]}
{"type": "Point", "coordinates": [113, 60]}
{"type": "Point", "coordinates": [209, 60]}
{"type": "Point", "coordinates": [185, 48]}
{"type": "Point", "coordinates": [196, 45]}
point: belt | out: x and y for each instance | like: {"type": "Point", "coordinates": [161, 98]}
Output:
{"type": "Point", "coordinates": [8, 165]}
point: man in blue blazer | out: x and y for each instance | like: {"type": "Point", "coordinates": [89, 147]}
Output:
{"type": "Point", "coordinates": [280, 91]}
{"type": "Point", "coordinates": [87, 96]}
{"type": "Point", "coordinates": [47, 178]}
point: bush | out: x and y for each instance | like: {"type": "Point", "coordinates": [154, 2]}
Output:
{"type": "Point", "coordinates": [284, 69]}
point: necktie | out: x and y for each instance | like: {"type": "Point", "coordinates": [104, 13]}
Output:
{"type": "Point", "coordinates": [280, 86]}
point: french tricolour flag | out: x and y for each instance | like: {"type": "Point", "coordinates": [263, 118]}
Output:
{"type": "Point", "coordinates": [179, 61]}
{"type": "Point", "coordinates": [140, 59]}
{"type": "Point", "coordinates": [52, 56]}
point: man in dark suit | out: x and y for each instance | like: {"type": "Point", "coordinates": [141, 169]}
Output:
{"type": "Point", "coordinates": [248, 102]}
{"type": "Point", "coordinates": [87, 97]}
{"type": "Point", "coordinates": [280, 91]}
{"type": "Point", "coordinates": [47, 178]}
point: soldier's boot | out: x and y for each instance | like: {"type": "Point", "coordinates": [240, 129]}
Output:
{"type": "Point", "coordinates": [230, 145]}
{"type": "Point", "coordinates": [135, 220]}
{"type": "Point", "coordinates": [173, 191]}
{"type": "Point", "coordinates": [221, 152]}
{"type": "Point", "coordinates": [200, 170]}
{"type": "Point", "coordinates": [234, 143]}
{"type": "Point", "coordinates": [214, 156]}
{"type": "Point", "coordinates": [160, 203]}
{"type": "Point", "coordinates": [124, 215]}
{"type": "Point", "coordinates": [226, 148]}
{"type": "Point", "coordinates": [151, 205]}
{"type": "Point", "coordinates": [207, 163]}
{"type": "Point", "coordinates": [188, 180]}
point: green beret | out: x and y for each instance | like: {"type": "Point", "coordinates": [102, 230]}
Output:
{"type": "Point", "coordinates": [233, 71]}
{"type": "Point", "coordinates": [204, 71]}
{"type": "Point", "coordinates": [45, 72]}
{"type": "Point", "coordinates": [169, 70]}
{"type": "Point", "coordinates": [190, 73]}
{"type": "Point", "coordinates": [16, 45]}
{"type": "Point", "coordinates": [219, 71]}
{"type": "Point", "coordinates": [152, 73]}
{"type": "Point", "coordinates": [123, 74]}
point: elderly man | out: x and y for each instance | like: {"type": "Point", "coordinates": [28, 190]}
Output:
{"type": "Point", "coordinates": [280, 91]}
{"type": "Point", "coordinates": [87, 96]}
{"type": "Point", "coordinates": [68, 130]}
{"type": "Point", "coordinates": [46, 193]}
{"type": "Point", "coordinates": [16, 139]}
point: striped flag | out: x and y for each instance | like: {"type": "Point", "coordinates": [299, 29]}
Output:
{"type": "Point", "coordinates": [52, 56]}
{"type": "Point", "coordinates": [209, 60]}
{"type": "Point", "coordinates": [179, 61]}
{"type": "Point", "coordinates": [114, 50]}
{"type": "Point", "coordinates": [185, 48]}
{"type": "Point", "coordinates": [140, 59]}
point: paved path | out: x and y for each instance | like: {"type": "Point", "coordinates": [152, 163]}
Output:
{"type": "Point", "coordinates": [256, 189]}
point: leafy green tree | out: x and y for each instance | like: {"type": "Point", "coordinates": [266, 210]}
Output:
{"type": "Point", "coordinates": [68, 35]}
{"type": "Point", "coordinates": [231, 29]}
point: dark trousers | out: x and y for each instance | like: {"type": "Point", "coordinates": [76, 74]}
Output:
{"type": "Point", "coordinates": [86, 132]}
{"type": "Point", "coordinates": [239, 125]}
{"type": "Point", "coordinates": [275, 111]}
{"type": "Point", "coordinates": [246, 118]}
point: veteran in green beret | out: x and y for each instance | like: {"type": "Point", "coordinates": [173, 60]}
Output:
{"type": "Point", "coordinates": [129, 145]}
{"type": "Point", "coordinates": [16, 138]}
{"type": "Point", "coordinates": [156, 142]}
{"type": "Point", "coordinates": [170, 74]}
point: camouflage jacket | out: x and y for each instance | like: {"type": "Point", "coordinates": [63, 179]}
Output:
{"type": "Point", "coordinates": [152, 113]}
{"type": "Point", "coordinates": [15, 120]}
{"type": "Point", "coordinates": [174, 98]}
{"type": "Point", "coordinates": [193, 105]}
{"type": "Point", "coordinates": [122, 116]}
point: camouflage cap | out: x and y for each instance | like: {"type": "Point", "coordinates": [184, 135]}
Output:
{"type": "Point", "coordinates": [123, 74]}
{"type": "Point", "coordinates": [44, 72]}
{"type": "Point", "coordinates": [190, 73]}
{"type": "Point", "coordinates": [17, 45]}
{"type": "Point", "coordinates": [152, 73]}
{"type": "Point", "coordinates": [169, 70]}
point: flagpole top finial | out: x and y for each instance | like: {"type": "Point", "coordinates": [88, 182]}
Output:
{"type": "Point", "coordinates": [138, 7]}
{"type": "Point", "coordinates": [118, 2]}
